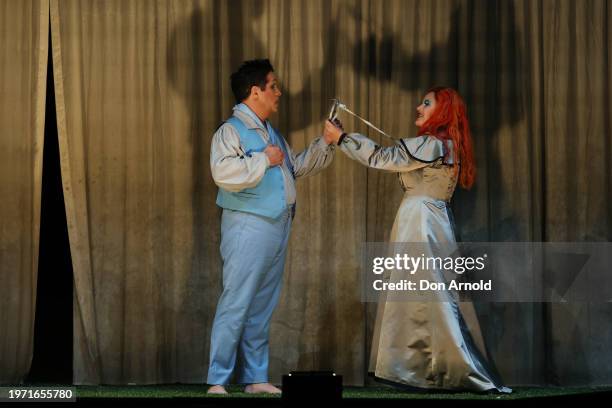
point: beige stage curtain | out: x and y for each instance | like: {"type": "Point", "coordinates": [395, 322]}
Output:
{"type": "Point", "coordinates": [142, 85]}
{"type": "Point", "coordinates": [136, 102]}
{"type": "Point", "coordinates": [576, 156]}
{"type": "Point", "coordinates": [24, 36]}
{"type": "Point", "coordinates": [535, 76]}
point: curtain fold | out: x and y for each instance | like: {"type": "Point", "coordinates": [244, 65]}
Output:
{"type": "Point", "coordinates": [23, 80]}
{"type": "Point", "coordinates": [142, 85]}
{"type": "Point", "coordinates": [576, 157]}
{"type": "Point", "coordinates": [140, 207]}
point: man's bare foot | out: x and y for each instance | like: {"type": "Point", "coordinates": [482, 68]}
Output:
{"type": "Point", "coordinates": [217, 389]}
{"type": "Point", "coordinates": [261, 388]}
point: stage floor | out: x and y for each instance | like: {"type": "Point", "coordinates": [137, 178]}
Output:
{"type": "Point", "coordinates": [195, 395]}
{"type": "Point", "coordinates": [199, 391]}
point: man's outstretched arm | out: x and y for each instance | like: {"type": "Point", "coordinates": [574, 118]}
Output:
{"type": "Point", "coordinates": [317, 156]}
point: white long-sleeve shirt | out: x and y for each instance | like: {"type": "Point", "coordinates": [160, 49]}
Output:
{"type": "Point", "coordinates": [234, 170]}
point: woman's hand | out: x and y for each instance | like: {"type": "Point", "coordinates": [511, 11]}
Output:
{"type": "Point", "coordinates": [331, 132]}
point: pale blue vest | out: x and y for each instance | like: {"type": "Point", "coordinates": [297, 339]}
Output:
{"type": "Point", "coordinates": [268, 197]}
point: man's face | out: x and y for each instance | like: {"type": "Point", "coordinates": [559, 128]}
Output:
{"type": "Point", "coordinates": [268, 98]}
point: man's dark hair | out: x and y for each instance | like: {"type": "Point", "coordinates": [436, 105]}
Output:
{"type": "Point", "coordinates": [251, 73]}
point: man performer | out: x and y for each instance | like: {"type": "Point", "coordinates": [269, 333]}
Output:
{"type": "Point", "coordinates": [255, 169]}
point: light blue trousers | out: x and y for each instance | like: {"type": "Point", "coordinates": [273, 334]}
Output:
{"type": "Point", "coordinates": [253, 250]}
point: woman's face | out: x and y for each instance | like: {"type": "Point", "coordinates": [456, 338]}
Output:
{"type": "Point", "coordinates": [425, 109]}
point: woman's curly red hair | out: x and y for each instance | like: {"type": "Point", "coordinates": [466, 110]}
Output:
{"type": "Point", "coordinates": [449, 121]}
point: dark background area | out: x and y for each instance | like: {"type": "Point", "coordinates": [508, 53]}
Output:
{"type": "Point", "coordinates": [52, 360]}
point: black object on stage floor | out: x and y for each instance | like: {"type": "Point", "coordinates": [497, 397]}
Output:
{"type": "Point", "coordinates": [312, 386]}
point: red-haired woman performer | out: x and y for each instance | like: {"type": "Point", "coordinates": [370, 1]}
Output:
{"type": "Point", "coordinates": [434, 345]}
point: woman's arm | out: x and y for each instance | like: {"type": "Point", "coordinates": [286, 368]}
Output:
{"type": "Point", "coordinates": [391, 158]}
{"type": "Point", "coordinates": [406, 155]}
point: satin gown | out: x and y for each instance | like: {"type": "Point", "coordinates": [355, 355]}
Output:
{"type": "Point", "coordinates": [430, 344]}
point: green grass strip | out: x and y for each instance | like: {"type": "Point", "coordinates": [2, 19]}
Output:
{"type": "Point", "coordinates": [199, 391]}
